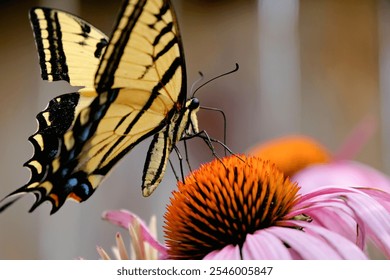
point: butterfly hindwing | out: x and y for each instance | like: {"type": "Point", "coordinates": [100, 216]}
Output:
{"type": "Point", "coordinates": [102, 134]}
{"type": "Point", "coordinates": [69, 48]}
{"type": "Point", "coordinates": [53, 123]}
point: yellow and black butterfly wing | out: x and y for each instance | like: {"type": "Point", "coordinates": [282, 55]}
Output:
{"type": "Point", "coordinates": [145, 53]}
{"type": "Point", "coordinates": [69, 48]}
{"type": "Point", "coordinates": [140, 85]}
{"type": "Point", "coordinates": [144, 59]}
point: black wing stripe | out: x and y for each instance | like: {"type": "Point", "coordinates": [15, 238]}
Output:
{"type": "Point", "coordinates": [107, 77]}
{"type": "Point", "coordinates": [167, 29]}
{"type": "Point", "coordinates": [171, 43]}
{"type": "Point", "coordinates": [167, 47]}
{"type": "Point", "coordinates": [183, 94]}
{"type": "Point", "coordinates": [39, 42]}
{"type": "Point", "coordinates": [164, 9]}
{"type": "Point", "coordinates": [59, 69]}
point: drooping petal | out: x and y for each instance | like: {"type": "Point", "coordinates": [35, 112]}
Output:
{"type": "Point", "coordinates": [125, 218]}
{"type": "Point", "coordinates": [379, 196]}
{"type": "Point", "coordinates": [340, 173]}
{"type": "Point", "coordinates": [307, 246]}
{"type": "Point", "coordinates": [327, 208]}
{"type": "Point", "coordinates": [331, 213]}
{"type": "Point", "coordinates": [376, 220]}
{"type": "Point", "coordinates": [262, 245]}
{"type": "Point", "coordinates": [339, 220]}
{"type": "Point", "coordinates": [344, 247]}
{"type": "Point", "coordinates": [229, 252]}
{"type": "Point", "coordinates": [372, 218]}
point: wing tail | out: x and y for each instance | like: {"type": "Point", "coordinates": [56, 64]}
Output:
{"type": "Point", "coordinates": [21, 192]}
{"type": "Point", "coordinates": [40, 197]}
{"type": "Point", "coordinates": [10, 199]}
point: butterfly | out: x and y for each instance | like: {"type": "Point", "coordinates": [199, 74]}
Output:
{"type": "Point", "coordinates": [133, 87]}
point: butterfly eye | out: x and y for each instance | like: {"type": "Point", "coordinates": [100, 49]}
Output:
{"type": "Point", "coordinates": [194, 104]}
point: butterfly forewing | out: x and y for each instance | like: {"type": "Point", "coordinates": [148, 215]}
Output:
{"type": "Point", "coordinates": [69, 48]}
{"type": "Point", "coordinates": [145, 52]}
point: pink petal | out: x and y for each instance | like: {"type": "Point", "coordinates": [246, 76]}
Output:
{"type": "Point", "coordinates": [124, 218]}
{"type": "Point", "coordinates": [340, 173]}
{"type": "Point", "coordinates": [309, 247]}
{"type": "Point", "coordinates": [372, 218]}
{"type": "Point", "coordinates": [375, 218]}
{"type": "Point", "coordinates": [262, 245]}
{"type": "Point", "coordinates": [340, 222]}
{"type": "Point", "coordinates": [229, 252]}
{"type": "Point", "coordinates": [333, 214]}
{"type": "Point", "coordinates": [380, 196]}
{"type": "Point", "coordinates": [335, 191]}
{"type": "Point", "coordinates": [345, 248]}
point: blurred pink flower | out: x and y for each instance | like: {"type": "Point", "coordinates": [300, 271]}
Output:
{"type": "Point", "coordinates": [144, 244]}
{"type": "Point", "coordinates": [340, 172]}
{"type": "Point", "coordinates": [307, 162]}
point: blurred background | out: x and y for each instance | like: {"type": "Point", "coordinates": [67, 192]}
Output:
{"type": "Point", "coordinates": [310, 67]}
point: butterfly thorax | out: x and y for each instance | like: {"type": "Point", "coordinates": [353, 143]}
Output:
{"type": "Point", "coordinates": [191, 109]}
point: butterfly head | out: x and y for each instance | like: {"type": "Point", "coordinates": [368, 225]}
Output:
{"type": "Point", "coordinates": [193, 104]}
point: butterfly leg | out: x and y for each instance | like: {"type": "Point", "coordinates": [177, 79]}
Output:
{"type": "Point", "coordinates": [208, 140]}
{"type": "Point", "coordinates": [179, 156]}
{"type": "Point", "coordinates": [174, 171]}
{"type": "Point", "coordinates": [186, 154]}
{"type": "Point", "coordinates": [226, 148]}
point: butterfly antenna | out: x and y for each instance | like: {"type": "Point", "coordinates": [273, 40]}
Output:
{"type": "Point", "coordinates": [217, 77]}
{"type": "Point", "coordinates": [201, 76]}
